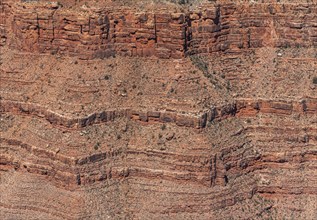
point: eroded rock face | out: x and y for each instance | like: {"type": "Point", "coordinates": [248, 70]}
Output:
{"type": "Point", "coordinates": [103, 32]}
{"type": "Point", "coordinates": [183, 112]}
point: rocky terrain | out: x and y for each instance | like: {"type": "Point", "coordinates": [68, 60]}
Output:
{"type": "Point", "coordinates": [158, 109]}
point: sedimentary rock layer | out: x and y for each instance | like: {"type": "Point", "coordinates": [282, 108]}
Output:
{"type": "Point", "coordinates": [246, 108]}
{"type": "Point", "coordinates": [98, 33]}
{"type": "Point", "coordinates": [244, 162]}
{"type": "Point", "coordinates": [195, 112]}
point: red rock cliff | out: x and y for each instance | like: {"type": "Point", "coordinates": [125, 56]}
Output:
{"type": "Point", "coordinates": [104, 32]}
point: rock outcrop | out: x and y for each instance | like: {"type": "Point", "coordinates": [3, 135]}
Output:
{"type": "Point", "coordinates": [99, 33]}
{"type": "Point", "coordinates": [183, 112]}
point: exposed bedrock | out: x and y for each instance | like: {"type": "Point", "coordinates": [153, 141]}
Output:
{"type": "Point", "coordinates": [237, 160]}
{"type": "Point", "coordinates": [242, 108]}
{"type": "Point", "coordinates": [183, 112]}
{"type": "Point", "coordinates": [108, 31]}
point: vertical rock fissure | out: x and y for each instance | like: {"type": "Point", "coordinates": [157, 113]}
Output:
{"type": "Point", "coordinates": [38, 28]}
{"type": "Point", "coordinates": [155, 31]}
{"type": "Point", "coordinates": [213, 170]}
{"type": "Point", "coordinates": [53, 26]}
{"type": "Point", "coordinates": [216, 20]}
{"type": "Point", "coordinates": [187, 34]}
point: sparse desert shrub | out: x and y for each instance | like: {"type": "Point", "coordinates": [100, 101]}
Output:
{"type": "Point", "coordinates": [199, 63]}
{"type": "Point", "coordinates": [163, 127]}
{"type": "Point", "coordinates": [96, 147]}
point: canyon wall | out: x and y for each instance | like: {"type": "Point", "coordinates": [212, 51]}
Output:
{"type": "Point", "coordinates": [244, 108]}
{"type": "Point", "coordinates": [99, 33]}
{"type": "Point", "coordinates": [220, 123]}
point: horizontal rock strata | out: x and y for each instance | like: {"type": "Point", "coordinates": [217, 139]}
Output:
{"type": "Point", "coordinates": [244, 108]}
{"type": "Point", "coordinates": [105, 32]}
{"type": "Point", "coordinates": [220, 123]}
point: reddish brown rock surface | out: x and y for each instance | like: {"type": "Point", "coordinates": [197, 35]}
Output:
{"type": "Point", "coordinates": [143, 110]}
